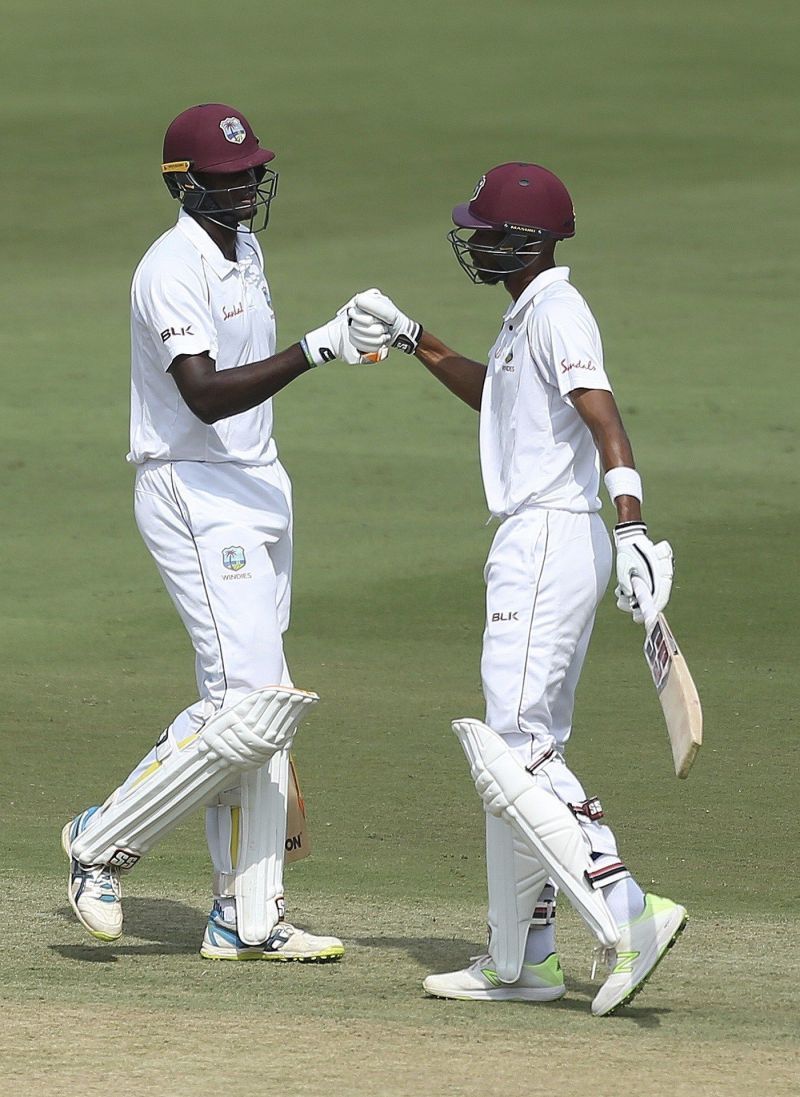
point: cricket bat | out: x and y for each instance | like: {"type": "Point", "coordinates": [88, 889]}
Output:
{"type": "Point", "coordinates": [674, 684]}
{"type": "Point", "coordinates": [298, 838]}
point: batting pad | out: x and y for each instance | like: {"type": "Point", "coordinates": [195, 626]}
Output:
{"type": "Point", "coordinates": [516, 878]}
{"type": "Point", "coordinates": [186, 774]}
{"type": "Point", "coordinates": [262, 842]}
{"type": "Point", "coordinates": [546, 825]}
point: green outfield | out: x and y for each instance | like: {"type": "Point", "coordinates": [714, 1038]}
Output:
{"type": "Point", "coordinates": [673, 126]}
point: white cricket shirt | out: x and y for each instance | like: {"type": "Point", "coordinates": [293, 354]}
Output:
{"type": "Point", "coordinates": [535, 448]}
{"type": "Point", "coordinates": [187, 298]}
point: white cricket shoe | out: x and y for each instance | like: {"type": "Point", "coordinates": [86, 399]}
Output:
{"type": "Point", "coordinates": [537, 982]}
{"type": "Point", "coordinates": [643, 943]}
{"type": "Point", "coordinates": [93, 891]}
{"type": "Point", "coordinates": [286, 942]}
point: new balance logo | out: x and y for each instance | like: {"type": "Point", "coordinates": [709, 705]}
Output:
{"type": "Point", "coordinates": [491, 976]}
{"type": "Point", "coordinates": [625, 962]}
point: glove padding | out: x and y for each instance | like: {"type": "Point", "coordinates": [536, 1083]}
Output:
{"type": "Point", "coordinates": [653, 564]}
{"type": "Point", "coordinates": [333, 341]}
{"type": "Point", "coordinates": [404, 333]}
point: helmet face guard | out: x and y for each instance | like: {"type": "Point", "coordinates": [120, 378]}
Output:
{"type": "Point", "coordinates": [190, 189]}
{"type": "Point", "coordinates": [488, 264]}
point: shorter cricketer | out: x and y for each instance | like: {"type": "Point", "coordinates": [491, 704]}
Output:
{"type": "Point", "coordinates": [548, 420]}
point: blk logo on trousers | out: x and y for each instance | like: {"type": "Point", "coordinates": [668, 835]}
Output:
{"type": "Point", "coordinates": [505, 616]}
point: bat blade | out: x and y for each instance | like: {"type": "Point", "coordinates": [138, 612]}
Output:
{"type": "Point", "coordinates": [298, 837]}
{"type": "Point", "coordinates": [676, 692]}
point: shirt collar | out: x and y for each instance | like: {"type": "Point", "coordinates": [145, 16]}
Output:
{"type": "Point", "coordinates": [198, 236]}
{"type": "Point", "coordinates": [534, 288]}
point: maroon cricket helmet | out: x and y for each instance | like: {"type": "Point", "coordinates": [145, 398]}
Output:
{"type": "Point", "coordinates": [519, 198]}
{"type": "Point", "coordinates": [212, 137]}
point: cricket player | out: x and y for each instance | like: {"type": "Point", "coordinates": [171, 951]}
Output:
{"type": "Point", "coordinates": [214, 507]}
{"type": "Point", "coordinates": [548, 421]}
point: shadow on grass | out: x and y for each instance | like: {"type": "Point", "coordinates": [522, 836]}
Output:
{"type": "Point", "coordinates": [172, 927]}
{"type": "Point", "coordinates": [643, 1016]}
{"type": "Point", "coordinates": [431, 953]}
{"type": "Point", "coordinates": [449, 954]}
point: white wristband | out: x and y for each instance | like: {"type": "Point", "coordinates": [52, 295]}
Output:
{"type": "Point", "coordinates": [623, 481]}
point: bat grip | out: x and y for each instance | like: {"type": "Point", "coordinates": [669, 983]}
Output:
{"type": "Point", "coordinates": [642, 594]}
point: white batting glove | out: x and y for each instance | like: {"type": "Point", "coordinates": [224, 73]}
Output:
{"type": "Point", "coordinates": [332, 341]}
{"type": "Point", "coordinates": [638, 556]}
{"type": "Point", "coordinates": [404, 332]}
{"type": "Point", "coordinates": [366, 332]}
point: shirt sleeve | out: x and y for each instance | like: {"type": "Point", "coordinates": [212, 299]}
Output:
{"type": "Point", "coordinates": [173, 307]}
{"type": "Point", "coordinates": [566, 347]}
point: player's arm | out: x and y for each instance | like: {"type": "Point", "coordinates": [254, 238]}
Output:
{"type": "Point", "coordinates": [599, 411]}
{"type": "Point", "coordinates": [463, 376]}
{"type": "Point", "coordinates": [637, 556]}
{"type": "Point", "coordinates": [211, 395]}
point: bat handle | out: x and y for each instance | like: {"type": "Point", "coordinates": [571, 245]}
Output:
{"type": "Point", "coordinates": [645, 599]}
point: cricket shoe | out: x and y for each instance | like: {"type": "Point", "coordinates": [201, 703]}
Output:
{"type": "Point", "coordinates": [93, 891]}
{"type": "Point", "coordinates": [285, 943]}
{"type": "Point", "coordinates": [537, 982]}
{"type": "Point", "coordinates": [643, 944]}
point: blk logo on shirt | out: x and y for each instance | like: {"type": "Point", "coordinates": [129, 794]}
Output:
{"type": "Point", "coordinates": [167, 333]}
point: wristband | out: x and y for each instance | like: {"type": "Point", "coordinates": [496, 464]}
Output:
{"type": "Point", "coordinates": [624, 531]}
{"type": "Point", "coordinates": [623, 481]}
{"type": "Point", "coordinates": [315, 348]}
{"type": "Point", "coordinates": [307, 352]}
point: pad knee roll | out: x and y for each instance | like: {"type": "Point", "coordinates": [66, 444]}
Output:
{"type": "Point", "coordinates": [240, 738]}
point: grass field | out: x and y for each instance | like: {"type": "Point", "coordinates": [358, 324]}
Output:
{"type": "Point", "coordinates": [673, 126]}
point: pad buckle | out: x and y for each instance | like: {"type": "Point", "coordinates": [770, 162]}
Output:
{"type": "Point", "coordinates": [544, 913]}
{"type": "Point", "coordinates": [540, 762]}
{"type": "Point", "coordinates": [590, 809]}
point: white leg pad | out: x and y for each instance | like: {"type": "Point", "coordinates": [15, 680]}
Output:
{"type": "Point", "coordinates": [516, 877]}
{"type": "Point", "coordinates": [186, 774]}
{"type": "Point", "coordinates": [545, 824]}
{"type": "Point", "coordinates": [262, 842]}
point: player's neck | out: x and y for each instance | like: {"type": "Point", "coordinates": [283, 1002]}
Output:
{"type": "Point", "coordinates": [223, 237]}
{"type": "Point", "coordinates": [516, 282]}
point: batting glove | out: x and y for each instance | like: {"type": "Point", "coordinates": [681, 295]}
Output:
{"type": "Point", "coordinates": [404, 332]}
{"type": "Point", "coordinates": [653, 564]}
{"type": "Point", "coordinates": [332, 341]}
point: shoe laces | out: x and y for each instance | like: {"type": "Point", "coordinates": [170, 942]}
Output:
{"type": "Point", "coordinates": [603, 957]}
{"type": "Point", "coordinates": [100, 880]}
{"type": "Point", "coordinates": [281, 934]}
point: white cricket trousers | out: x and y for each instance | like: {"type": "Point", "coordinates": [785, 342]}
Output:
{"type": "Point", "coordinates": [545, 575]}
{"type": "Point", "coordinates": [221, 537]}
